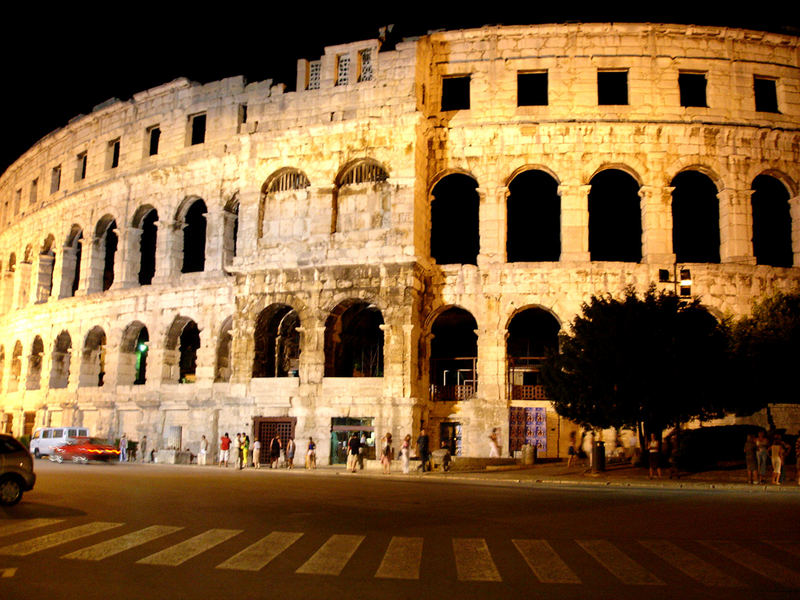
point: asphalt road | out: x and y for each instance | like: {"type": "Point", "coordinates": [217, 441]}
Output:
{"type": "Point", "coordinates": [135, 531]}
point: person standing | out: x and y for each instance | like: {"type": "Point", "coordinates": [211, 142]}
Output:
{"type": "Point", "coordinates": [311, 454]}
{"type": "Point", "coordinates": [751, 459]}
{"type": "Point", "coordinates": [777, 451]}
{"type": "Point", "coordinates": [123, 448]}
{"type": "Point", "coordinates": [424, 449]}
{"type": "Point", "coordinates": [362, 448]}
{"type": "Point", "coordinates": [353, 446]}
{"type": "Point", "coordinates": [245, 450]}
{"type": "Point", "coordinates": [203, 453]}
{"type": "Point", "coordinates": [275, 447]}
{"type": "Point", "coordinates": [386, 453]}
{"type": "Point", "coordinates": [654, 455]}
{"type": "Point", "coordinates": [290, 451]}
{"type": "Point", "coordinates": [143, 449]}
{"type": "Point", "coordinates": [224, 449]}
{"type": "Point", "coordinates": [494, 444]}
{"type": "Point", "coordinates": [257, 454]}
{"type": "Point", "coordinates": [762, 455]}
{"type": "Point", "coordinates": [405, 452]}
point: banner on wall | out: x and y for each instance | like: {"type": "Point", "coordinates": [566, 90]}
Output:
{"type": "Point", "coordinates": [527, 426]}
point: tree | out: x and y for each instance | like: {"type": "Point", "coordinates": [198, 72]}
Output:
{"type": "Point", "coordinates": [648, 363]}
{"type": "Point", "coordinates": [766, 351]}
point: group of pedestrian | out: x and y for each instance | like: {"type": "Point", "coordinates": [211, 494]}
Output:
{"type": "Point", "coordinates": [239, 448]}
{"type": "Point", "coordinates": [762, 452]}
{"type": "Point", "coordinates": [281, 453]}
{"type": "Point", "coordinates": [356, 447]}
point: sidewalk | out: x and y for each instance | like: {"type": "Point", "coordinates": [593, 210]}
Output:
{"type": "Point", "coordinates": [551, 474]}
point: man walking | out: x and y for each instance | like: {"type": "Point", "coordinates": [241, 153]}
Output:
{"type": "Point", "coordinates": [201, 457]}
{"type": "Point", "coordinates": [224, 449]}
{"type": "Point", "coordinates": [423, 449]}
{"type": "Point", "coordinates": [123, 448]}
{"type": "Point", "coordinates": [143, 449]}
{"type": "Point", "coordinates": [353, 446]}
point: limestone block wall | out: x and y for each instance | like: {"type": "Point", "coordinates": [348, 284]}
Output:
{"type": "Point", "coordinates": [230, 230]}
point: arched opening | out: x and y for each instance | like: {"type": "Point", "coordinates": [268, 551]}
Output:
{"type": "Point", "coordinates": [188, 347]}
{"type": "Point", "coordinates": [454, 356]}
{"type": "Point", "coordinates": [16, 367]}
{"type": "Point", "coordinates": [146, 220]}
{"type": "Point", "coordinates": [283, 210]}
{"type": "Point", "coordinates": [533, 220]}
{"type": "Point", "coordinates": [695, 218]}
{"type": "Point", "coordinates": [276, 342]}
{"type": "Point", "coordinates": [35, 364]}
{"type": "Point", "coordinates": [47, 259]}
{"type": "Point", "coordinates": [106, 250]}
{"type": "Point", "coordinates": [361, 197]}
{"type": "Point", "coordinates": [62, 357]}
{"type": "Point", "coordinates": [194, 238]}
{"type": "Point", "coordinates": [222, 372]}
{"type": "Point", "coordinates": [532, 333]}
{"type": "Point", "coordinates": [133, 351]}
{"type": "Point", "coordinates": [455, 231]}
{"type": "Point", "coordinates": [71, 262]}
{"type": "Point", "coordinates": [772, 222]}
{"type": "Point", "coordinates": [93, 361]}
{"type": "Point", "coordinates": [354, 340]}
{"type": "Point", "coordinates": [615, 217]}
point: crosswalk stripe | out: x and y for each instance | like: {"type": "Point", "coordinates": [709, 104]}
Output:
{"type": "Point", "coordinates": [180, 553]}
{"type": "Point", "coordinates": [56, 539]}
{"type": "Point", "coordinates": [785, 546]}
{"type": "Point", "coordinates": [618, 563]}
{"type": "Point", "coordinates": [762, 565]}
{"type": "Point", "coordinates": [334, 554]}
{"type": "Point", "coordinates": [689, 564]}
{"type": "Point", "coordinates": [26, 525]}
{"type": "Point", "coordinates": [473, 560]}
{"type": "Point", "coordinates": [545, 563]}
{"type": "Point", "coordinates": [122, 543]}
{"type": "Point", "coordinates": [256, 556]}
{"type": "Point", "coordinates": [402, 559]}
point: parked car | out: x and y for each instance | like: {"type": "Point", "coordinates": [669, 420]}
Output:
{"type": "Point", "coordinates": [84, 449]}
{"type": "Point", "coordinates": [16, 470]}
{"type": "Point", "coordinates": [46, 438]}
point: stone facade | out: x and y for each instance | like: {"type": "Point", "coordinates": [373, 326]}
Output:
{"type": "Point", "coordinates": [235, 257]}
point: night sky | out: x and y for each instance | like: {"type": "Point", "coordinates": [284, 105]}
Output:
{"type": "Point", "coordinates": [59, 65]}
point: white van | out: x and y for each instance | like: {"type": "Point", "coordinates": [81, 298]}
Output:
{"type": "Point", "coordinates": [46, 438]}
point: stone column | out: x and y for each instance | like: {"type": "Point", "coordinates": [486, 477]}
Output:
{"type": "Point", "coordinates": [128, 258]}
{"type": "Point", "coordinates": [44, 278]}
{"type": "Point", "coordinates": [87, 253]}
{"type": "Point", "coordinates": [214, 241]}
{"type": "Point", "coordinates": [657, 225]}
{"type": "Point", "coordinates": [22, 278]}
{"type": "Point", "coordinates": [736, 226]}
{"type": "Point", "coordinates": [574, 222]}
{"type": "Point", "coordinates": [492, 221]}
{"type": "Point", "coordinates": [169, 250]}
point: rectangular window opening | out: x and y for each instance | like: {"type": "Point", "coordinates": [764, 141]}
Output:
{"type": "Point", "coordinates": [365, 67]}
{"type": "Point", "coordinates": [455, 92]}
{"type": "Point", "coordinates": [153, 139]}
{"type": "Point", "coordinates": [113, 154]}
{"type": "Point", "coordinates": [766, 94]}
{"type": "Point", "coordinates": [612, 88]}
{"type": "Point", "coordinates": [34, 190]}
{"type": "Point", "coordinates": [198, 129]}
{"type": "Point", "coordinates": [80, 167]}
{"type": "Point", "coordinates": [532, 89]}
{"type": "Point", "coordinates": [314, 70]}
{"type": "Point", "coordinates": [693, 89]}
{"type": "Point", "coordinates": [55, 179]}
{"type": "Point", "coordinates": [343, 69]}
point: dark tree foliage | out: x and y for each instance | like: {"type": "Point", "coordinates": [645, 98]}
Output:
{"type": "Point", "coordinates": [766, 353]}
{"type": "Point", "coordinates": [650, 362]}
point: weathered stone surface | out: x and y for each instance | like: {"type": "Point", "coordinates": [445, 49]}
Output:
{"type": "Point", "coordinates": [329, 191]}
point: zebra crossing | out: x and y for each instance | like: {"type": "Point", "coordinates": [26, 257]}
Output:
{"type": "Point", "coordinates": [402, 559]}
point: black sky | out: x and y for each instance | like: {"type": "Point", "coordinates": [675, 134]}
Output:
{"type": "Point", "coordinates": [59, 64]}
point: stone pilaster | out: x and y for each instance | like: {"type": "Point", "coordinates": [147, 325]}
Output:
{"type": "Point", "coordinates": [574, 222]}
{"type": "Point", "coordinates": [736, 227]}
{"type": "Point", "coordinates": [656, 205]}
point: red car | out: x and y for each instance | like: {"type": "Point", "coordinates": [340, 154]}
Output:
{"type": "Point", "coordinates": [84, 449]}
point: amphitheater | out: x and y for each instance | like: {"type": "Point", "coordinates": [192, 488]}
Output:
{"type": "Point", "coordinates": [393, 244]}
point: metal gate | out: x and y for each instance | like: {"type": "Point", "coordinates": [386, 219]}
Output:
{"type": "Point", "coordinates": [266, 428]}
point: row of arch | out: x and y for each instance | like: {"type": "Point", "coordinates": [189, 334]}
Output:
{"type": "Point", "coordinates": [353, 347]}
{"type": "Point", "coordinates": [615, 218]}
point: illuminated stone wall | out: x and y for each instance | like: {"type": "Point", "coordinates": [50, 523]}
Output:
{"type": "Point", "coordinates": [320, 200]}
